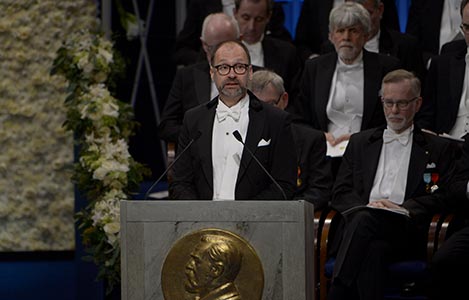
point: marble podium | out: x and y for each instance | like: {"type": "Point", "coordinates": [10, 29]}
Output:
{"type": "Point", "coordinates": [280, 232]}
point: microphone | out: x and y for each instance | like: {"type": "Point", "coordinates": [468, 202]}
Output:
{"type": "Point", "coordinates": [196, 136]}
{"type": "Point", "coordinates": [237, 135]}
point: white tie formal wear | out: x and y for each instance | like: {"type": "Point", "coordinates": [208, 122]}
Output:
{"type": "Point", "coordinates": [226, 150]}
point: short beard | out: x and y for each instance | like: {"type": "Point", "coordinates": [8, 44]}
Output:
{"type": "Point", "coordinates": [233, 93]}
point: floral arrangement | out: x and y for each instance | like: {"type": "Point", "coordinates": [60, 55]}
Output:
{"type": "Point", "coordinates": [37, 196]}
{"type": "Point", "coordinates": [102, 125]}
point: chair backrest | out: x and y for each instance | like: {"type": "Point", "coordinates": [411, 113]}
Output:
{"type": "Point", "coordinates": [407, 273]}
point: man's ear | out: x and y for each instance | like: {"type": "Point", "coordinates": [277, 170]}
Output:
{"type": "Point", "coordinates": [211, 72]}
{"type": "Point", "coordinates": [283, 102]}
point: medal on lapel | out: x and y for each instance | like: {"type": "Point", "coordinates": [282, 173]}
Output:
{"type": "Point", "coordinates": [434, 187]}
{"type": "Point", "coordinates": [431, 177]}
{"type": "Point", "coordinates": [427, 178]}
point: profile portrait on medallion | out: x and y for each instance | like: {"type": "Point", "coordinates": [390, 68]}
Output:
{"type": "Point", "coordinates": [212, 264]}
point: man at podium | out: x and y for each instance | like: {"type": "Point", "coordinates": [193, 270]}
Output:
{"type": "Point", "coordinates": [234, 147]}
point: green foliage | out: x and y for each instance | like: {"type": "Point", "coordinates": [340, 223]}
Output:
{"type": "Point", "coordinates": [102, 125]}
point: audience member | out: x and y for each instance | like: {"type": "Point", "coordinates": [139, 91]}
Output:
{"type": "Point", "coordinates": [192, 85]}
{"type": "Point", "coordinates": [389, 184]}
{"type": "Point", "coordinates": [340, 90]}
{"type": "Point", "coordinates": [446, 109]}
{"type": "Point", "coordinates": [388, 41]}
{"type": "Point", "coordinates": [266, 51]}
{"type": "Point", "coordinates": [449, 278]}
{"type": "Point", "coordinates": [314, 180]}
{"type": "Point", "coordinates": [312, 30]}
{"type": "Point", "coordinates": [434, 23]}
{"type": "Point", "coordinates": [187, 48]}
{"type": "Point", "coordinates": [217, 165]}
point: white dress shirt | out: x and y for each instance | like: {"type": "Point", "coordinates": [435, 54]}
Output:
{"type": "Point", "coordinates": [226, 150]}
{"type": "Point", "coordinates": [256, 52]}
{"type": "Point", "coordinates": [450, 21]}
{"type": "Point", "coordinates": [345, 105]}
{"type": "Point", "coordinates": [391, 176]}
{"type": "Point", "coordinates": [372, 44]}
{"type": "Point", "coordinates": [228, 6]}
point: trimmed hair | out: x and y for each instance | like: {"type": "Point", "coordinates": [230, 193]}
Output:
{"type": "Point", "coordinates": [349, 14]}
{"type": "Point", "coordinates": [403, 75]}
{"type": "Point", "coordinates": [262, 78]}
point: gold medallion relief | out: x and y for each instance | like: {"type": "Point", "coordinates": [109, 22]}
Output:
{"type": "Point", "coordinates": [212, 264]}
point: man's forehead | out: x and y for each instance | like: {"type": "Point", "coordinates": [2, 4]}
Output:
{"type": "Point", "coordinates": [230, 52]}
{"type": "Point", "coordinates": [353, 26]}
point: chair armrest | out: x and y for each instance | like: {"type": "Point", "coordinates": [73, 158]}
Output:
{"type": "Point", "coordinates": [438, 232]}
{"type": "Point", "coordinates": [327, 217]}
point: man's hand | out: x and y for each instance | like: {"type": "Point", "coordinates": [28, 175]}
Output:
{"type": "Point", "coordinates": [384, 203]}
{"type": "Point", "coordinates": [334, 141]}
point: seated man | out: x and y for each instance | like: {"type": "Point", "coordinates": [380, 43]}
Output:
{"type": "Point", "coordinates": [192, 84]}
{"type": "Point", "coordinates": [446, 90]}
{"type": "Point", "coordinates": [314, 181]}
{"type": "Point", "coordinates": [267, 51]}
{"type": "Point", "coordinates": [449, 278]}
{"type": "Point", "coordinates": [387, 41]}
{"type": "Point", "coordinates": [389, 185]}
{"type": "Point", "coordinates": [187, 48]}
{"type": "Point", "coordinates": [340, 90]}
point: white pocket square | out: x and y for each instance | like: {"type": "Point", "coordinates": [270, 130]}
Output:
{"type": "Point", "coordinates": [263, 143]}
{"type": "Point", "coordinates": [431, 166]}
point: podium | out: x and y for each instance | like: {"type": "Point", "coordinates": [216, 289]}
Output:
{"type": "Point", "coordinates": [159, 245]}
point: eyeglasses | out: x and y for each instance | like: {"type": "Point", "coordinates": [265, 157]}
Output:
{"type": "Point", "coordinates": [464, 27]}
{"type": "Point", "coordinates": [224, 69]}
{"type": "Point", "coordinates": [401, 104]}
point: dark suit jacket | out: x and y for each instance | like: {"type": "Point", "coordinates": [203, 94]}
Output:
{"type": "Point", "coordinates": [312, 29]}
{"type": "Point", "coordinates": [314, 183]}
{"type": "Point", "coordinates": [316, 84]}
{"type": "Point", "coordinates": [187, 49]}
{"type": "Point", "coordinates": [360, 162]}
{"type": "Point", "coordinates": [191, 87]}
{"type": "Point", "coordinates": [424, 23]}
{"type": "Point", "coordinates": [395, 237]}
{"type": "Point", "coordinates": [404, 47]}
{"type": "Point", "coordinates": [443, 90]}
{"type": "Point", "coordinates": [457, 201]}
{"type": "Point", "coordinates": [193, 173]}
{"type": "Point", "coordinates": [282, 58]}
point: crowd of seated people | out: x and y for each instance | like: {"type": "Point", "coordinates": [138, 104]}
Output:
{"type": "Point", "coordinates": [378, 118]}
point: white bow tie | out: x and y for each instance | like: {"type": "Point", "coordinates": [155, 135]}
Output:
{"type": "Point", "coordinates": [222, 113]}
{"type": "Point", "coordinates": [344, 67]}
{"type": "Point", "coordinates": [390, 136]}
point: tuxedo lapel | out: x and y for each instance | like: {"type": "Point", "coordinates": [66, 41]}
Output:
{"type": "Point", "coordinates": [206, 127]}
{"type": "Point", "coordinates": [371, 155]}
{"type": "Point", "coordinates": [419, 157]}
{"type": "Point", "coordinates": [254, 135]}
{"type": "Point", "coordinates": [323, 84]}
{"type": "Point", "coordinates": [457, 69]}
{"type": "Point", "coordinates": [202, 82]}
